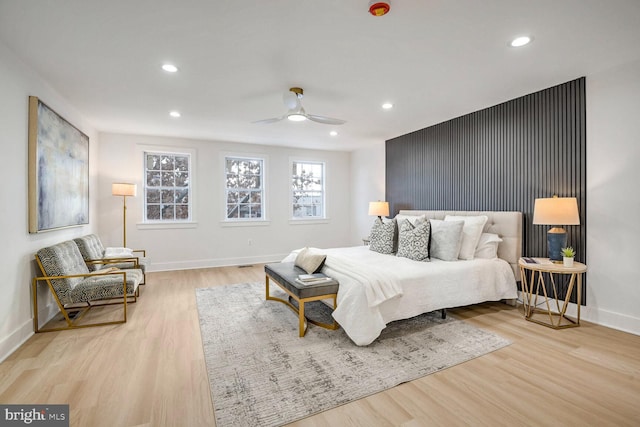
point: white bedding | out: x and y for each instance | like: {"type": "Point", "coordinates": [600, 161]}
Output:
{"type": "Point", "coordinates": [376, 289]}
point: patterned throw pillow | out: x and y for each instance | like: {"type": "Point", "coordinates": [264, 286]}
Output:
{"type": "Point", "coordinates": [382, 236]}
{"type": "Point", "coordinates": [413, 240]}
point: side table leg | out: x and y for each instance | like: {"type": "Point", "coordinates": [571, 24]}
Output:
{"type": "Point", "coordinates": [579, 301]}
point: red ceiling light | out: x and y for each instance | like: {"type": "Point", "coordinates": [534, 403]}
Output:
{"type": "Point", "coordinates": [379, 8]}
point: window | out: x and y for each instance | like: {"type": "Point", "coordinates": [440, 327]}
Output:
{"type": "Point", "coordinates": [307, 189]}
{"type": "Point", "coordinates": [167, 188]}
{"type": "Point", "coordinates": [244, 188]}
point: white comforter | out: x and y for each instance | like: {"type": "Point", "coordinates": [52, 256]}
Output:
{"type": "Point", "coordinates": [376, 289]}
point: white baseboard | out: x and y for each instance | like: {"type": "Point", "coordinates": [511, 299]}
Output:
{"type": "Point", "coordinates": [18, 337]}
{"type": "Point", "coordinates": [618, 321]}
{"type": "Point", "coordinates": [218, 262]}
{"type": "Point", "coordinates": [602, 317]}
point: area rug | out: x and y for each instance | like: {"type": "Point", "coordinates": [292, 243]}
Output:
{"type": "Point", "coordinates": [262, 374]}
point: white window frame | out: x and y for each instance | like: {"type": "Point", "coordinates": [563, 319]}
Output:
{"type": "Point", "coordinates": [308, 219]}
{"type": "Point", "coordinates": [174, 151]}
{"type": "Point", "coordinates": [264, 219]}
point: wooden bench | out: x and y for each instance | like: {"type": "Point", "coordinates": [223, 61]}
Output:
{"type": "Point", "coordinates": [284, 274]}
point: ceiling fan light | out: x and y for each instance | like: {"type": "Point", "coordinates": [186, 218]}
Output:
{"type": "Point", "coordinates": [296, 117]}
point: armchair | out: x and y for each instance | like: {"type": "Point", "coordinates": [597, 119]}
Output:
{"type": "Point", "coordinates": [76, 290]}
{"type": "Point", "coordinates": [93, 253]}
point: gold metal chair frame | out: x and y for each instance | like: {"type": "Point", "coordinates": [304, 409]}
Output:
{"type": "Point", "coordinates": [72, 324]}
{"type": "Point", "coordinates": [134, 260]}
{"type": "Point", "coordinates": [302, 319]}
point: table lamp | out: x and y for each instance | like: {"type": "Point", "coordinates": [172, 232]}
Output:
{"type": "Point", "coordinates": [556, 211]}
{"type": "Point", "coordinates": [379, 208]}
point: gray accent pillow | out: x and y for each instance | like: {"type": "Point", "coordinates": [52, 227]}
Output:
{"type": "Point", "coordinates": [446, 239]}
{"type": "Point", "coordinates": [383, 236]}
{"type": "Point", "coordinates": [473, 226]}
{"type": "Point", "coordinates": [413, 240]}
{"type": "Point", "coordinates": [310, 260]}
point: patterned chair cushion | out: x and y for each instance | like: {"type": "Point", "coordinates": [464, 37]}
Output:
{"type": "Point", "coordinates": [91, 249]}
{"type": "Point", "coordinates": [106, 286]}
{"type": "Point", "coordinates": [64, 259]}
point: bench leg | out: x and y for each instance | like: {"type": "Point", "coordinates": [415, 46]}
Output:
{"type": "Point", "coordinates": [301, 318]}
{"type": "Point", "coordinates": [266, 281]}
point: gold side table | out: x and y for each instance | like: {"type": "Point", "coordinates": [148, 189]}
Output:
{"type": "Point", "coordinates": [532, 283]}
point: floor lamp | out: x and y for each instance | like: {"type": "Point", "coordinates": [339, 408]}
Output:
{"type": "Point", "coordinates": [124, 190]}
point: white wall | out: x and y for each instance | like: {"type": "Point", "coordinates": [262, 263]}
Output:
{"type": "Point", "coordinates": [209, 242]}
{"type": "Point", "coordinates": [367, 185]}
{"type": "Point", "coordinates": [17, 83]}
{"type": "Point", "coordinates": [613, 198]}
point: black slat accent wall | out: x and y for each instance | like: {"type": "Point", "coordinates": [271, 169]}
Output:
{"type": "Point", "coordinates": [499, 158]}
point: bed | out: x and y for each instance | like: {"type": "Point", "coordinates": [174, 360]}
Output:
{"type": "Point", "coordinates": [376, 289]}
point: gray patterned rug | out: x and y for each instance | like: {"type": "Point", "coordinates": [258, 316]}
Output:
{"type": "Point", "coordinates": [262, 374]}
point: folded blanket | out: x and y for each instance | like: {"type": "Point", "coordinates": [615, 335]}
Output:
{"type": "Point", "coordinates": [117, 252]}
{"type": "Point", "coordinates": [379, 286]}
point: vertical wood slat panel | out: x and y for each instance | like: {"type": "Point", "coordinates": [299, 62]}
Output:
{"type": "Point", "coordinates": [499, 158]}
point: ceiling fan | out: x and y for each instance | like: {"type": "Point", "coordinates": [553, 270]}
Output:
{"type": "Point", "coordinates": [296, 113]}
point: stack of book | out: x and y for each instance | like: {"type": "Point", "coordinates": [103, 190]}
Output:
{"type": "Point", "coordinates": [314, 279]}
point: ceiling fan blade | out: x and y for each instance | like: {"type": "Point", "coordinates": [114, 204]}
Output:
{"type": "Point", "coordinates": [267, 121]}
{"type": "Point", "coordinates": [325, 120]}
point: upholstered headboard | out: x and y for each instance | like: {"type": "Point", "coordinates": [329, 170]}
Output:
{"type": "Point", "coordinates": [508, 225]}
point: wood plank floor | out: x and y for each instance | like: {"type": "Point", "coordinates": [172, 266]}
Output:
{"type": "Point", "coordinates": [151, 371]}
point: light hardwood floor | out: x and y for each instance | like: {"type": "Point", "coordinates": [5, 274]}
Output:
{"type": "Point", "coordinates": [151, 371]}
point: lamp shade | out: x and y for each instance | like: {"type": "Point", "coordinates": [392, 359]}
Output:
{"type": "Point", "coordinates": [379, 208]}
{"type": "Point", "coordinates": [556, 211]}
{"type": "Point", "coordinates": [123, 189]}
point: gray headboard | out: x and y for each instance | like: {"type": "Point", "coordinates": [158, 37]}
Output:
{"type": "Point", "coordinates": [508, 225]}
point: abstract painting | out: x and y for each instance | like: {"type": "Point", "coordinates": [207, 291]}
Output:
{"type": "Point", "coordinates": [58, 171]}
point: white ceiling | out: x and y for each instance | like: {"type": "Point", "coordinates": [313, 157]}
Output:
{"type": "Point", "coordinates": [434, 59]}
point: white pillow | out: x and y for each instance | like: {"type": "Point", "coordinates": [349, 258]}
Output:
{"type": "Point", "coordinates": [473, 226]}
{"type": "Point", "coordinates": [487, 246]}
{"type": "Point", "coordinates": [310, 260]}
{"type": "Point", "coordinates": [446, 237]}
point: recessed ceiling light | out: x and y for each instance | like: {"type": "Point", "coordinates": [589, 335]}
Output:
{"type": "Point", "coordinates": [521, 41]}
{"type": "Point", "coordinates": [169, 68]}
{"type": "Point", "coordinates": [333, 133]}
{"type": "Point", "coordinates": [175, 114]}
{"type": "Point", "coordinates": [387, 105]}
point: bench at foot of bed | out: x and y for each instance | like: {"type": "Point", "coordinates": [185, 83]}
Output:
{"type": "Point", "coordinates": [284, 274]}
